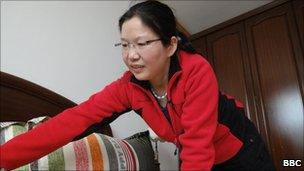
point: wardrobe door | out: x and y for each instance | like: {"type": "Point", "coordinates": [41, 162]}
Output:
{"type": "Point", "coordinates": [228, 50]}
{"type": "Point", "coordinates": [276, 56]}
{"type": "Point", "coordinates": [200, 46]}
{"type": "Point", "coordinates": [299, 13]}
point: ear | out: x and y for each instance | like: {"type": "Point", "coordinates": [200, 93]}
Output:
{"type": "Point", "coordinates": [173, 46]}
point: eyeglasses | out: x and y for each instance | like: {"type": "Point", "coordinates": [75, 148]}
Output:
{"type": "Point", "coordinates": [138, 46]}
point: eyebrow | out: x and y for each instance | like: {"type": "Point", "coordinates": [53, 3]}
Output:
{"type": "Point", "coordinates": [136, 39]}
{"type": "Point", "coordinates": [123, 39]}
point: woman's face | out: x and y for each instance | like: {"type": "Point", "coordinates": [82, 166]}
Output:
{"type": "Point", "coordinates": [147, 61]}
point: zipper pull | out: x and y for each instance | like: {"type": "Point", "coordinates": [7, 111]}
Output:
{"type": "Point", "coordinates": [175, 151]}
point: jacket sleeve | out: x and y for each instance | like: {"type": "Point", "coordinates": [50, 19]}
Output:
{"type": "Point", "coordinates": [199, 119]}
{"type": "Point", "coordinates": [65, 126]}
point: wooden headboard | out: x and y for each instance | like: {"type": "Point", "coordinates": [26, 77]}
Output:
{"type": "Point", "coordinates": [22, 100]}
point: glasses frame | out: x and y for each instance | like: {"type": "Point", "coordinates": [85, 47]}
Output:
{"type": "Point", "coordinates": [136, 45]}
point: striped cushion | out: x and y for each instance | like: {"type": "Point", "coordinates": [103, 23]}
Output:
{"type": "Point", "coordinates": [94, 152]}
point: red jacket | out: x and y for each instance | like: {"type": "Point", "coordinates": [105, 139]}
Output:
{"type": "Point", "coordinates": [192, 105]}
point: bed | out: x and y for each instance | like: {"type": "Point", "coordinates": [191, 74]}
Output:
{"type": "Point", "coordinates": [22, 100]}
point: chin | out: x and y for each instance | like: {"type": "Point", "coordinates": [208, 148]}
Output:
{"type": "Point", "coordinates": [141, 77]}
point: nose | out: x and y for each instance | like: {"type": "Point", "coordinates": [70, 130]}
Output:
{"type": "Point", "coordinates": [133, 54]}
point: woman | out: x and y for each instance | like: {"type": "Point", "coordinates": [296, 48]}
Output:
{"type": "Point", "coordinates": [172, 88]}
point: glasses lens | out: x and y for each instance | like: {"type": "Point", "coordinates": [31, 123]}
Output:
{"type": "Point", "coordinates": [139, 46]}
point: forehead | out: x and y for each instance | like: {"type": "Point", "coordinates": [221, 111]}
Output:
{"type": "Point", "coordinates": [134, 28]}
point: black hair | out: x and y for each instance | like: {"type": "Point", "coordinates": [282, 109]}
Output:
{"type": "Point", "coordinates": [160, 18]}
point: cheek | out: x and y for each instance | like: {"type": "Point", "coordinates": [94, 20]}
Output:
{"type": "Point", "coordinates": [149, 63]}
{"type": "Point", "coordinates": [151, 59]}
{"type": "Point", "coordinates": [154, 61]}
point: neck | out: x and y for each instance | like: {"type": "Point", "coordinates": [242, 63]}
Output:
{"type": "Point", "coordinates": [160, 83]}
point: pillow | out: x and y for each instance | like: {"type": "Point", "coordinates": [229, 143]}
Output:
{"type": "Point", "coordinates": [94, 152]}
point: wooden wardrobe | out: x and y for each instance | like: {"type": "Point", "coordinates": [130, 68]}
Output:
{"type": "Point", "coordinates": [258, 58]}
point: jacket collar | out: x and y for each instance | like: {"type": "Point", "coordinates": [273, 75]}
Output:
{"type": "Point", "coordinates": [173, 68]}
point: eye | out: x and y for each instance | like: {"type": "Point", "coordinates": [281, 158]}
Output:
{"type": "Point", "coordinates": [124, 45]}
{"type": "Point", "coordinates": [142, 44]}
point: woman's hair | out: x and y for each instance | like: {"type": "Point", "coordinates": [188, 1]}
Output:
{"type": "Point", "coordinates": [160, 18]}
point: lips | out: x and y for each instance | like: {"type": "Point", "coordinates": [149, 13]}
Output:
{"type": "Point", "coordinates": [137, 68]}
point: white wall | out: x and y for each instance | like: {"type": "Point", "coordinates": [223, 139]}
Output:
{"type": "Point", "coordinates": [67, 47]}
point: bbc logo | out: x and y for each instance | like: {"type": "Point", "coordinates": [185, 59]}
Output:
{"type": "Point", "coordinates": [292, 163]}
